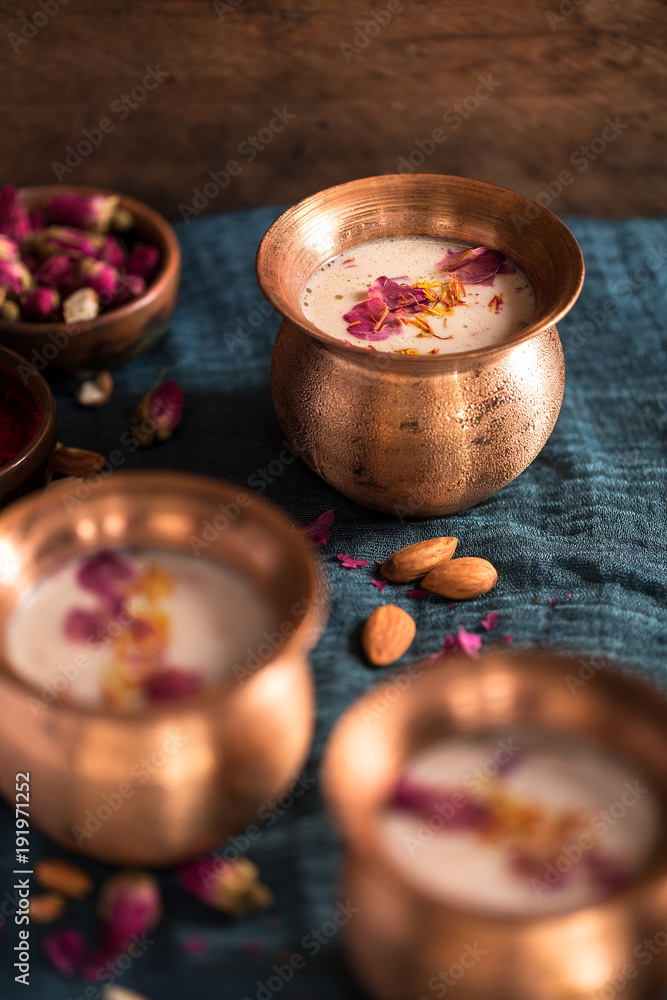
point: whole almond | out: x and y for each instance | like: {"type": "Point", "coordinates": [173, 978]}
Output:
{"type": "Point", "coordinates": [388, 632]}
{"type": "Point", "coordinates": [61, 876]}
{"type": "Point", "coordinates": [75, 461]}
{"type": "Point", "coordinates": [414, 560]}
{"type": "Point", "coordinates": [460, 579]}
{"type": "Point", "coordinates": [46, 908]}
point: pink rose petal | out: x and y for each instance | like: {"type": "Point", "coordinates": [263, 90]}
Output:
{"type": "Point", "coordinates": [508, 637]}
{"type": "Point", "coordinates": [419, 593]}
{"type": "Point", "coordinates": [65, 950]}
{"type": "Point", "coordinates": [490, 621]}
{"type": "Point", "coordinates": [349, 562]}
{"type": "Point", "coordinates": [552, 601]}
{"type": "Point", "coordinates": [319, 530]}
{"type": "Point", "coordinates": [469, 643]}
{"type": "Point", "coordinates": [380, 584]}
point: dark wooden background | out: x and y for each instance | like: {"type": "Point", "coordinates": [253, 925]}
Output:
{"type": "Point", "coordinates": [559, 69]}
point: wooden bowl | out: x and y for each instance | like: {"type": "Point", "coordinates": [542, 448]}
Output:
{"type": "Point", "coordinates": [115, 336]}
{"type": "Point", "coordinates": [29, 469]}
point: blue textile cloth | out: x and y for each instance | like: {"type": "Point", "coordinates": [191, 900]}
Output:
{"type": "Point", "coordinates": [579, 541]}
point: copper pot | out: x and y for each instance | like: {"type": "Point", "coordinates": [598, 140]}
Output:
{"type": "Point", "coordinates": [198, 769]}
{"type": "Point", "coordinates": [400, 938]}
{"type": "Point", "coordinates": [418, 436]}
{"type": "Point", "coordinates": [116, 335]}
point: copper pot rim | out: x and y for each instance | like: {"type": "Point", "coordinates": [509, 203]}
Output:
{"type": "Point", "coordinates": [303, 639]}
{"type": "Point", "coordinates": [167, 272]}
{"type": "Point", "coordinates": [372, 851]}
{"type": "Point", "coordinates": [38, 391]}
{"type": "Point", "coordinates": [400, 362]}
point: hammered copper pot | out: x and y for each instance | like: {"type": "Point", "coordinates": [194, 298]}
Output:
{"type": "Point", "coordinates": [162, 783]}
{"type": "Point", "coordinates": [418, 436]}
{"type": "Point", "coordinates": [401, 938]}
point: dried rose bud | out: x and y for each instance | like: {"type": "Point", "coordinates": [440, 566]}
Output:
{"type": "Point", "coordinates": [56, 271]}
{"type": "Point", "coordinates": [10, 311]}
{"type": "Point", "coordinates": [62, 239]}
{"type": "Point", "coordinates": [9, 249]}
{"type": "Point", "coordinates": [129, 904]}
{"type": "Point", "coordinates": [122, 219]}
{"type": "Point", "coordinates": [15, 276]}
{"type": "Point", "coordinates": [81, 305]}
{"type": "Point", "coordinates": [112, 252]}
{"type": "Point", "coordinates": [163, 407]}
{"type": "Point", "coordinates": [99, 275]}
{"type": "Point", "coordinates": [65, 950]}
{"type": "Point", "coordinates": [37, 220]}
{"type": "Point", "coordinates": [130, 286]}
{"type": "Point", "coordinates": [32, 263]}
{"type": "Point", "coordinates": [232, 886]}
{"type": "Point", "coordinates": [14, 218]}
{"type": "Point", "coordinates": [40, 304]}
{"type": "Point", "coordinates": [86, 211]}
{"type": "Point", "coordinates": [143, 260]}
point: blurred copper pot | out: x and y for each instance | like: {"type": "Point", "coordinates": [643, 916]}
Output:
{"type": "Point", "coordinates": [223, 754]}
{"type": "Point", "coordinates": [418, 436]}
{"type": "Point", "coordinates": [401, 936]}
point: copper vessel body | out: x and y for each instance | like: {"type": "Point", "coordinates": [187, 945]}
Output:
{"type": "Point", "coordinates": [404, 942]}
{"type": "Point", "coordinates": [198, 769]}
{"type": "Point", "coordinates": [117, 335]}
{"type": "Point", "coordinates": [418, 436]}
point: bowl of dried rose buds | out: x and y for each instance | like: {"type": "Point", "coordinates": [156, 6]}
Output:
{"type": "Point", "coordinates": [88, 277]}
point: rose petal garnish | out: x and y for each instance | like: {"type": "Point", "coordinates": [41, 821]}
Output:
{"type": "Point", "coordinates": [469, 643]}
{"type": "Point", "coordinates": [349, 562]}
{"type": "Point", "coordinates": [319, 530]}
{"type": "Point", "coordinates": [424, 801]}
{"type": "Point", "coordinates": [372, 320]}
{"type": "Point", "coordinates": [82, 624]}
{"type": "Point", "coordinates": [164, 408]}
{"type": "Point", "coordinates": [172, 683]}
{"type": "Point", "coordinates": [397, 297]}
{"type": "Point", "coordinates": [232, 886]}
{"type": "Point", "coordinates": [65, 950]}
{"type": "Point", "coordinates": [419, 593]}
{"type": "Point", "coordinates": [129, 904]}
{"type": "Point", "coordinates": [478, 266]}
{"type": "Point", "coordinates": [14, 218]}
{"type": "Point", "coordinates": [380, 584]}
{"type": "Point", "coordinates": [490, 621]}
{"type": "Point", "coordinates": [102, 572]}
{"type": "Point", "coordinates": [508, 637]}
{"type": "Point", "coordinates": [449, 643]}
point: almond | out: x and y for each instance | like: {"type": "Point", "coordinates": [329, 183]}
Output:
{"type": "Point", "coordinates": [414, 560]}
{"type": "Point", "coordinates": [460, 579]}
{"type": "Point", "coordinates": [387, 634]}
{"type": "Point", "coordinates": [47, 908]}
{"type": "Point", "coordinates": [75, 461]}
{"type": "Point", "coordinates": [61, 876]}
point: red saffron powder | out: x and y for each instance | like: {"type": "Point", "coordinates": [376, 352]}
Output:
{"type": "Point", "coordinates": [19, 419]}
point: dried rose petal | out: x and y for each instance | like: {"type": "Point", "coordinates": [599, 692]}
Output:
{"type": "Point", "coordinates": [469, 643]}
{"type": "Point", "coordinates": [130, 286]}
{"type": "Point", "coordinates": [172, 683]}
{"type": "Point", "coordinates": [410, 796]}
{"type": "Point", "coordinates": [419, 593]}
{"type": "Point", "coordinates": [129, 904]}
{"type": "Point", "coordinates": [490, 621]}
{"type": "Point", "coordinates": [406, 299]}
{"type": "Point", "coordinates": [143, 260]}
{"type": "Point", "coordinates": [101, 573]}
{"type": "Point", "coordinates": [380, 584]}
{"type": "Point", "coordinates": [85, 211]}
{"type": "Point", "coordinates": [508, 637]}
{"type": "Point", "coordinates": [449, 643]}
{"type": "Point", "coordinates": [14, 218]}
{"type": "Point", "coordinates": [65, 950]}
{"type": "Point", "coordinates": [82, 624]}
{"type": "Point", "coordinates": [40, 304]}
{"type": "Point", "coordinates": [371, 320]}
{"type": "Point", "coordinates": [232, 886]}
{"type": "Point", "coordinates": [164, 408]}
{"type": "Point", "coordinates": [319, 530]}
{"type": "Point", "coordinates": [478, 266]}
{"type": "Point", "coordinates": [348, 562]}
{"type": "Point", "coordinates": [15, 276]}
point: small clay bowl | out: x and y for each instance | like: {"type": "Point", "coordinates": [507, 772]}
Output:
{"type": "Point", "coordinates": [118, 334]}
{"type": "Point", "coordinates": [29, 469]}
